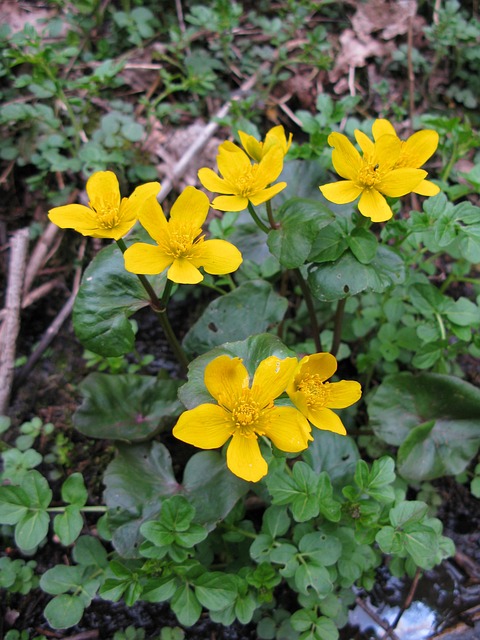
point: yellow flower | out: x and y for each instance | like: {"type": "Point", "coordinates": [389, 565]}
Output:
{"type": "Point", "coordinates": [107, 216]}
{"type": "Point", "coordinates": [242, 181]}
{"type": "Point", "coordinates": [180, 245]}
{"type": "Point", "coordinates": [244, 413]}
{"type": "Point", "coordinates": [315, 398]}
{"type": "Point", "coordinates": [371, 175]}
{"type": "Point", "coordinates": [414, 152]}
{"type": "Point", "coordinates": [275, 137]}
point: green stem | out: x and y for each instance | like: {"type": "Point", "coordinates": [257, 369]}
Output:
{"type": "Point", "coordinates": [83, 509]}
{"type": "Point", "coordinates": [451, 162]}
{"type": "Point", "coordinates": [159, 307]}
{"type": "Point", "coordinates": [441, 326]}
{"type": "Point", "coordinates": [271, 219]}
{"type": "Point", "coordinates": [337, 327]}
{"type": "Point", "coordinates": [310, 308]}
{"type": "Point", "coordinates": [257, 220]}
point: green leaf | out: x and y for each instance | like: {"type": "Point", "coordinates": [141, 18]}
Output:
{"type": "Point", "coordinates": [252, 351]}
{"type": "Point", "coordinates": [74, 491]}
{"type": "Point", "coordinates": [422, 544]}
{"type": "Point", "coordinates": [61, 579]}
{"type": "Point", "coordinates": [463, 312]}
{"type": "Point", "coordinates": [68, 525]}
{"type": "Point", "coordinates": [276, 521]}
{"type": "Point", "coordinates": [300, 221]}
{"type": "Point", "coordinates": [249, 309]}
{"type": "Point", "coordinates": [32, 529]}
{"type": "Point", "coordinates": [347, 276]}
{"type": "Point", "coordinates": [186, 606]}
{"type": "Point", "coordinates": [64, 611]}
{"type": "Point", "coordinates": [333, 453]}
{"type": "Point", "coordinates": [377, 480]}
{"type": "Point", "coordinates": [37, 489]}
{"type": "Point", "coordinates": [107, 297]}
{"type": "Point", "coordinates": [125, 407]}
{"type": "Point", "coordinates": [299, 491]}
{"type": "Point", "coordinates": [329, 245]}
{"type": "Point", "coordinates": [14, 504]}
{"type": "Point", "coordinates": [89, 552]}
{"type": "Point", "coordinates": [405, 402]}
{"type": "Point", "coordinates": [315, 576]}
{"type": "Point", "coordinates": [408, 512]}
{"type": "Point", "coordinates": [363, 244]}
{"type": "Point", "coordinates": [159, 589]}
{"type": "Point", "coordinates": [215, 590]}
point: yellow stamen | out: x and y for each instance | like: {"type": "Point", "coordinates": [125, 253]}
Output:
{"type": "Point", "coordinates": [108, 216]}
{"type": "Point", "coordinates": [244, 183]}
{"type": "Point", "coordinates": [316, 391]}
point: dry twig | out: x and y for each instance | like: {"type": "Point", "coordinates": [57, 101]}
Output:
{"type": "Point", "coordinates": [11, 324]}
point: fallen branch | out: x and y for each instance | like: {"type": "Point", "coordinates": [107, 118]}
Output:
{"type": "Point", "coordinates": [11, 324]}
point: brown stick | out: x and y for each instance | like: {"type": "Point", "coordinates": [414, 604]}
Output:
{"type": "Point", "coordinates": [11, 324]}
{"type": "Point", "coordinates": [37, 259]}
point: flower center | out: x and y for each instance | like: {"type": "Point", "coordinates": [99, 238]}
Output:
{"type": "Point", "coordinates": [107, 214]}
{"type": "Point", "coordinates": [369, 175]}
{"type": "Point", "coordinates": [244, 182]}
{"type": "Point", "coordinates": [181, 242]}
{"type": "Point", "coordinates": [316, 391]}
{"type": "Point", "coordinates": [245, 415]}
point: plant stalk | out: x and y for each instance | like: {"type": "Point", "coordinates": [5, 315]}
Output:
{"type": "Point", "coordinates": [310, 308]}
{"type": "Point", "coordinates": [337, 327]}
{"type": "Point", "coordinates": [257, 220]}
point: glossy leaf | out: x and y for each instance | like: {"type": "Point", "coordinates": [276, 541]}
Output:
{"type": "Point", "coordinates": [347, 276]}
{"type": "Point", "coordinates": [434, 419]}
{"type": "Point", "coordinates": [249, 309]}
{"type": "Point", "coordinates": [107, 297]}
{"type": "Point", "coordinates": [125, 407]}
{"type": "Point", "coordinates": [299, 223]}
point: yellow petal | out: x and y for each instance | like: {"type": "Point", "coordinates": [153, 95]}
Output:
{"type": "Point", "coordinates": [190, 208]}
{"type": "Point", "coordinates": [343, 394]}
{"type": "Point", "coordinates": [276, 135]}
{"type": "Point", "coordinates": [252, 146]}
{"type": "Point", "coordinates": [387, 151]}
{"type": "Point", "coordinates": [288, 429]}
{"type": "Point", "coordinates": [341, 192]}
{"type": "Point", "coordinates": [230, 203]}
{"type": "Point", "coordinates": [346, 159]}
{"type": "Point", "coordinates": [366, 145]}
{"type": "Point", "coordinates": [183, 271]}
{"type": "Point", "coordinates": [103, 190]}
{"type": "Point", "coordinates": [373, 205]}
{"type": "Point", "coordinates": [427, 188]}
{"type": "Point", "coordinates": [419, 148]}
{"type": "Point", "coordinates": [130, 207]}
{"type": "Point", "coordinates": [271, 379]}
{"type": "Point", "coordinates": [119, 230]}
{"type": "Point", "coordinates": [382, 127]}
{"type": "Point", "coordinates": [147, 259]}
{"type": "Point", "coordinates": [245, 460]}
{"type": "Point", "coordinates": [218, 257]}
{"type": "Point", "coordinates": [213, 182]}
{"type": "Point", "coordinates": [327, 420]}
{"type": "Point", "coordinates": [269, 168]}
{"type": "Point", "coordinates": [267, 194]}
{"type": "Point", "coordinates": [399, 182]}
{"type": "Point", "coordinates": [75, 216]}
{"type": "Point", "coordinates": [207, 426]}
{"type": "Point", "coordinates": [322, 364]}
{"type": "Point", "coordinates": [153, 220]}
{"type": "Point", "coordinates": [225, 378]}
{"type": "Point", "coordinates": [232, 161]}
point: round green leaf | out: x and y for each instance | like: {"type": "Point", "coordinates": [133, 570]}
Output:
{"type": "Point", "coordinates": [32, 529]}
{"type": "Point", "coordinates": [64, 611]}
{"type": "Point", "coordinates": [68, 525]}
{"type": "Point", "coordinates": [347, 276]}
{"type": "Point", "coordinates": [107, 297]}
{"type": "Point", "coordinates": [300, 222]}
{"type": "Point", "coordinates": [433, 418]}
{"type": "Point", "coordinates": [363, 244]}
{"type": "Point", "coordinates": [125, 407]}
{"type": "Point", "coordinates": [251, 308]}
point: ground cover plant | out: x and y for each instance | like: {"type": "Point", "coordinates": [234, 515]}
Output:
{"type": "Point", "coordinates": [274, 344]}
